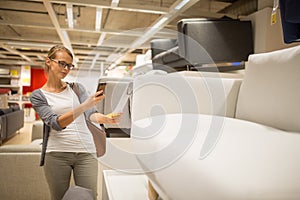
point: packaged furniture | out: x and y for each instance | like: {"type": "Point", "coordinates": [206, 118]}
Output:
{"type": "Point", "coordinates": [202, 43]}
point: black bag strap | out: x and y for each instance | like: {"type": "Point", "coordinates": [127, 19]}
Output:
{"type": "Point", "coordinates": [74, 87]}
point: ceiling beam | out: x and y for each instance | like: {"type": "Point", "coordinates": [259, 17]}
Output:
{"type": "Point", "coordinates": [175, 10]}
{"type": "Point", "coordinates": [17, 62]}
{"type": "Point", "coordinates": [107, 31]}
{"type": "Point", "coordinates": [2, 56]}
{"type": "Point", "coordinates": [62, 34]}
{"type": "Point", "coordinates": [14, 51]}
{"type": "Point", "coordinates": [96, 3]}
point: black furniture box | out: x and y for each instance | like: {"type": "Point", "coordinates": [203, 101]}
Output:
{"type": "Point", "coordinates": [202, 42]}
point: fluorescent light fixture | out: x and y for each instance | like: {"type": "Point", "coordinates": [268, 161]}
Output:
{"type": "Point", "coordinates": [160, 22]}
{"type": "Point", "coordinates": [181, 4]}
{"type": "Point", "coordinates": [67, 43]}
{"type": "Point", "coordinates": [149, 32]}
{"type": "Point", "coordinates": [113, 65]}
{"type": "Point", "coordinates": [66, 40]}
{"type": "Point", "coordinates": [102, 72]}
{"type": "Point", "coordinates": [112, 57]}
{"type": "Point", "coordinates": [98, 19]}
{"type": "Point", "coordinates": [101, 39]}
{"type": "Point", "coordinates": [162, 12]}
{"type": "Point", "coordinates": [41, 57]}
{"type": "Point", "coordinates": [70, 15]}
{"type": "Point", "coordinates": [95, 60]}
{"type": "Point", "coordinates": [76, 60]}
{"type": "Point", "coordinates": [115, 3]}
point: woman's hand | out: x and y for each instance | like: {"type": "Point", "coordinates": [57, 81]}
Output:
{"type": "Point", "coordinates": [112, 118]}
{"type": "Point", "coordinates": [94, 99]}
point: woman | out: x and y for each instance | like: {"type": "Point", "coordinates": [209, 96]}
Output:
{"type": "Point", "coordinates": [67, 144]}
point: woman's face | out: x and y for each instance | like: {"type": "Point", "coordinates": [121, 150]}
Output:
{"type": "Point", "coordinates": [58, 66]}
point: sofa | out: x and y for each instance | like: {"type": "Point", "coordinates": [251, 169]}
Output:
{"type": "Point", "coordinates": [21, 175]}
{"type": "Point", "coordinates": [221, 137]}
{"type": "Point", "coordinates": [11, 120]}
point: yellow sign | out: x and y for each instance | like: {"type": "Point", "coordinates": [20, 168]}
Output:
{"type": "Point", "coordinates": [14, 72]}
{"type": "Point", "coordinates": [25, 75]}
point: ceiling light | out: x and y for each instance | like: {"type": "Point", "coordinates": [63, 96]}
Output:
{"type": "Point", "coordinates": [95, 60]}
{"type": "Point", "coordinates": [112, 57]}
{"type": "Point", "coordinates": [113, 65]}
{"type": "Point", "coordinates": [160, 22]}
{"type": "Point", "coordinates": [151, 31]}
{"type": "Point", "coordinates": [41, 57]}
{"type": "Point", "coordinates": [101, 39]}
{"type": "Point", "coordinates": [26, 48]}
{"type": "Point", "coordinates": [98, 19]}
{"type": "Point", "coordinates": [115, 3]}
{"type": "Point", "coordinates": [70, 15]}
{"type": "Point", "coordinates": [181, 4]}
{"type": "Point", "coordinates": [66, 40]}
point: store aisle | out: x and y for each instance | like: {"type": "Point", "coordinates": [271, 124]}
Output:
{"type": "Point", "coordinates": [23, 136]}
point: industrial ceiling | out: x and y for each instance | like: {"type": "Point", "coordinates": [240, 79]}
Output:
{"type": "Point", "coordinates": [100, 33]}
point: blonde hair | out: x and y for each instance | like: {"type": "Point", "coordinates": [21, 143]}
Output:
{"type": "Point", "coordinates": [52, 53]}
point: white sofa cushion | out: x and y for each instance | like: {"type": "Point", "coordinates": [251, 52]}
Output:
{"type": "Point", "coordinates": [166, 94]}
{"type": "Point", "coordinates": [270, 91]}
{"type": "Point", "coordinates": [21, 148]}
{"type": "Point", "coordinates": [239, 75]}
{"type": "Point", "coordinates": [249, 161]}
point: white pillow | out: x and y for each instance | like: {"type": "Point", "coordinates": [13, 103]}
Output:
{"type": "Point", "coordinates": [270, 92]}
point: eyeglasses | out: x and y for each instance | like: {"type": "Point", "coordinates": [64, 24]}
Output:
{"type": "Point", "coordinates": [63, 64]}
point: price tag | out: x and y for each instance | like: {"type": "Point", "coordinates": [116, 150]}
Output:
{"type": "Point", "coordinates": [274, 12]}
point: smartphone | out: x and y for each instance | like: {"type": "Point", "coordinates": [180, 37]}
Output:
{"type": "Point", "coordinates": [101, 86]}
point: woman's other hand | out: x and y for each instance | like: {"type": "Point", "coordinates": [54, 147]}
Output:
{"type": "Point", "coordinates": [112, 118]}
